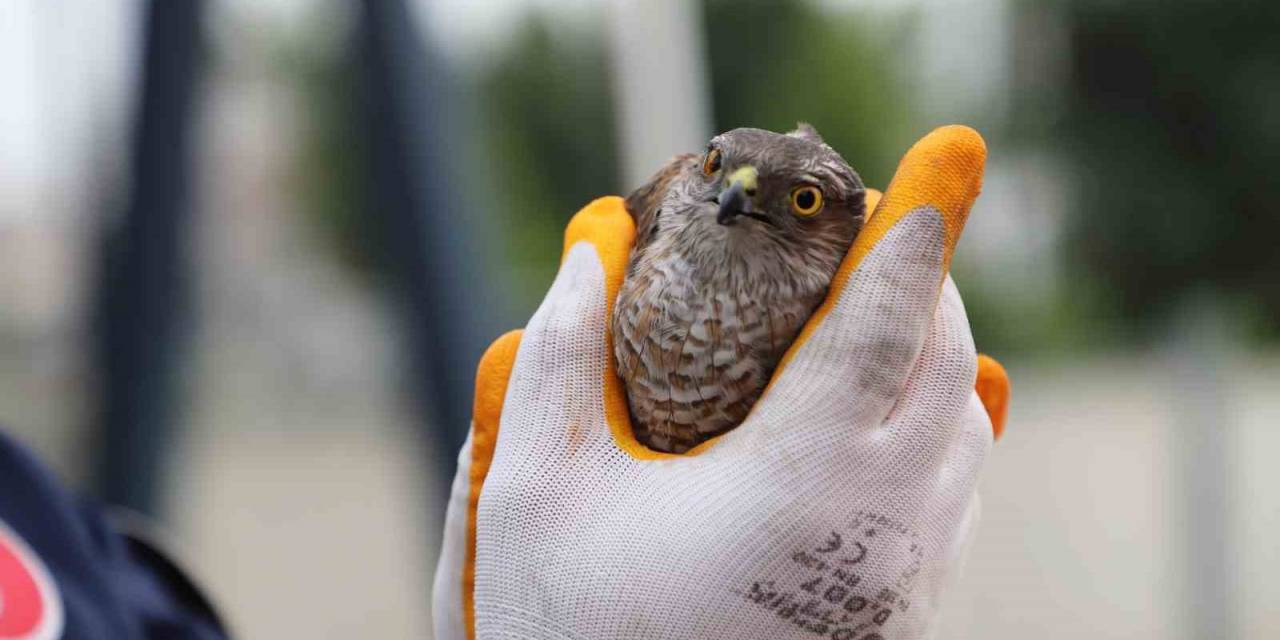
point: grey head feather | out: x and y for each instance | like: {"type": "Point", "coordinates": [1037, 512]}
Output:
{"type": "Point", "coordinates": [806, 131]}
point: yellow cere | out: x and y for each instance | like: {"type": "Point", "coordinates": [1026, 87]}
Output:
{"type": "Point", "coordinates": [747, 176]}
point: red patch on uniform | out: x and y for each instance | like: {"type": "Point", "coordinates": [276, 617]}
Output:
{"type": "Point", "coordinates": [30, 607]}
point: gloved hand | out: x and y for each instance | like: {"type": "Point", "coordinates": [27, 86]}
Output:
{"type": "Point", "coordinates": [839, 509]}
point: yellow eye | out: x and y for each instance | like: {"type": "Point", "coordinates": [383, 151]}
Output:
{"type": "Point", "coordinates": [712, 164]}
{"type": "Point", "coordinates": [806, 201]}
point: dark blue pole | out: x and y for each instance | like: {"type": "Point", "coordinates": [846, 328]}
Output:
{"type": "Point", "coordinates": [144, 278]}
{"type": "Point", "coordinates": [430, 235]}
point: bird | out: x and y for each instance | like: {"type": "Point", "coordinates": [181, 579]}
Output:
{"type": "Point", "coordinates": [735, 248]}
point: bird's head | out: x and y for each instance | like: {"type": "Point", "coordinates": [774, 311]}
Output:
{"type": "Point", "coordinates": [757, 189]}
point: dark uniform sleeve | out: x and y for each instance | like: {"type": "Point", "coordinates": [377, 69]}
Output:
{"type": "Point", "coordinates": [67, 570]}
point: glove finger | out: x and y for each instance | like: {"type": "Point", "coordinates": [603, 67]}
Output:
{"type": "Point", "coordinates": [969, 451]}
{"type": "Point", "coordinates": [954, 504]}
{"type": "Point", "coordinates": [447, 604]}
{"type": "Point", "coordinates": [923, 424]}
{"type": "Point", "coordinates": [852, 359]}
{"type": "Point", "coordinates": [955, 483]}
{"type": "Point", "coordinates": [454, 596]}
{"type": "Point", "coordinates": [567, 349]}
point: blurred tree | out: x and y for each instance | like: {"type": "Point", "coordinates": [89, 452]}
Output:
{"type": "Point", "coordinates": [331, 167]}
{"type": "Point", "coordinates": [1172, 124]}
{"type": "Point", "coordinates": [776, 63]}
{"type": "Point", "coordinates": [547, 138]}
{"type": "Point", "coordinates": [382, 168]}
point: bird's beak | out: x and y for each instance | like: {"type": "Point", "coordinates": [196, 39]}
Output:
{"type": "Point", "coordinates": [737, 198]}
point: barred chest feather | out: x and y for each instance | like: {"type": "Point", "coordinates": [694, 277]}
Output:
{"type": "Point", "coordinates": [697, 341]}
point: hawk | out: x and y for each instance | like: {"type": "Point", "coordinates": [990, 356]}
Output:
{"type": "Point", "coordinates": [734, 250]}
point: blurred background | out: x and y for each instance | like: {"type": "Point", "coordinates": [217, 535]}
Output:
{"type": "Point", "coordinates": [250, 251]}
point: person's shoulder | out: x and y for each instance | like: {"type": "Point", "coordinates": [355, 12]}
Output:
{"type": "Point", "coordinates": [68, 571]}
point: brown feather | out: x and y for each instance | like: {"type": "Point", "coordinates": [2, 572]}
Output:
{"type": "Point", "coordinates": [645, 203]}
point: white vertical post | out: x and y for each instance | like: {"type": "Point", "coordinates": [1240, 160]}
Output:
{"type": "Point", "coordinates": [660, 83]}
{"type": "Point", "coordinates": [1204, 431]}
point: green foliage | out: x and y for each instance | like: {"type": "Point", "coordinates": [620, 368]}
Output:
{"type": "Point", "coordinates": [548, 131]}
{"type": "Point", "coordinates": [1063, 321]}
{"type": "Point", "coordinates": [1167, 119]}
{"type": "Point", "coordinates": [330, 173]}
{"type": "Point", "coordinates": [776, 63]}
{"type": "Point", "coordinates": [1172, 126]}
{"type": "Point", "coordinates": [548, 143]}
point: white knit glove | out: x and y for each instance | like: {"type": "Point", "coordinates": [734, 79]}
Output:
{"type": "Point", "coordinates": [839, 509]}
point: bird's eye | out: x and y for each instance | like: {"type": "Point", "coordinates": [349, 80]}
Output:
{"type": "Point", "coordinates": [806, 201]}
{"type": "Point", "coordinates": [712, 164]}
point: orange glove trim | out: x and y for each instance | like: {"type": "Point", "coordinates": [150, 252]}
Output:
{"type": "Point", "coordinates": [993, 388]}
{"type": "Point", "coordinates": [873, 200]}
{"type": "Point", "coordinates": [492, 377]}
